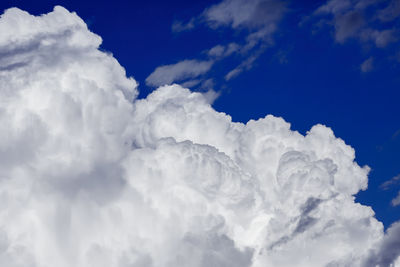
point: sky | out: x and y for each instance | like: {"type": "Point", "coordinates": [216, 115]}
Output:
{"type": "Point", "coordinates": [334, 63]}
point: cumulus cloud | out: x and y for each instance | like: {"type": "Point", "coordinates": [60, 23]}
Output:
{"type": "Point", "coordinates": [182, 70]}
{"type": "Point", "coordinates": [92, 176]}
{"type": "Point", "coordinates": [389, 249]}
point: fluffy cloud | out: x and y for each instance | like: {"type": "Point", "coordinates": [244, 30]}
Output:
{"type": "Point", "coordinates": [92, 176]}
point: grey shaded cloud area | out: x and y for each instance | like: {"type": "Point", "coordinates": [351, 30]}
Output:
{"type": "Point", "coordinates": [388, 251]}
{"type": "Point", "coordinates": [92, 176]}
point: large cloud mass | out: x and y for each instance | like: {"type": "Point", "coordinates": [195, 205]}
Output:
{"type": "Point", "coordinates": [91, 176]}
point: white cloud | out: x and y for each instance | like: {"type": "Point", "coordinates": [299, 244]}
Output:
{"type": "Point", "coordinates": [182, 70]}
{"type": "Point", "coordinates": [90, 176]}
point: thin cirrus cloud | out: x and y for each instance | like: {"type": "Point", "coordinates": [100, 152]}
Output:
{"type": "Point", "coordinates": [178, 72]}
{"type": "Point", "coordinates": [371, 22]}
{"type": "Point", "coordinates": [359, 19]}
{"type": "Point", "coordinates": [393, 183]}
{"type": "Point", "coordinates": [258, 18]}
{"type": "Point", "coordinates": [92, 176]}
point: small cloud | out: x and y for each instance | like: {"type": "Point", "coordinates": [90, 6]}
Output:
{"type": "Point", "coordinates": [367, 65]}
{"type": "Point", "coordinates": [392, 182]}
{"type": "Point", "coordinates": [211, 96]}
{"type": "Point", "coordinates": [179, 26]}
{"type": "Point", "coordinates": [348, 25]}
{"type": "Point", "coordinates": [282, 56]}
{"type": "Point", "coordinates": [333, 6]}
{"type": "Point", "coordinates": [220, 51]}
{"type": "Point", "coordinates": [391, 12]}
{"type": "Point", "coordinates": [396, 201]}
{"type": "Point", "coordinates": [207, 84]}
{"type": "Point", "coordinates": [396, 134]}
{"type": "Point", "coordinates": [216, 51]}
{"type": "Point", "coordinates": [186, 69]}
{"type": "Point", "coordinates": [250, 14]}
{"type": "Point", "coordinates": [245, 65]}
{"type": "Point", "coordinates": [191, 83]}
{"type": "Point", "coordinates": [380, 38]}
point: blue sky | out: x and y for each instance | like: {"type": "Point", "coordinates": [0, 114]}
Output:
{"type": "Point", "coordinates": [331, 62]}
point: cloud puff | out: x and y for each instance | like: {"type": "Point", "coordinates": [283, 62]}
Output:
{"type": "Point", "coordinates": [92, 176]}
{"type": "Point", "coordinates": [182, 70]}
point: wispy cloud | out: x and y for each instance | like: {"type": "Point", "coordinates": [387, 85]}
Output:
{"type": "Point", "coordinates": [390, 183]}
{"type": "Point", "coordinates": [362, 20]}
{"type": "Point", "coordinates": [257, 19]}
{"type": "Point", "coordinates": [367, 65]}
{"type": "Point", "coordinates": [186, 69]}
{"type": "Point", "coordinates": [396, 201]}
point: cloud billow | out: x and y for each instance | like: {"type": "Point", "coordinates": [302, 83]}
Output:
{"type": "Point", "coordinates": [92, 176]}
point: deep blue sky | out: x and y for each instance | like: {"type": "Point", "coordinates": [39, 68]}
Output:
{"type": "Point", "coordinates": [306, 74]}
